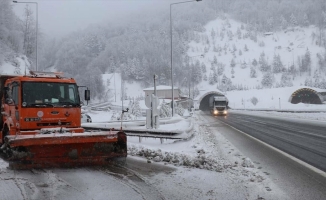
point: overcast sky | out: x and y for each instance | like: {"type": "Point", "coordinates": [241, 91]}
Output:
{"type": "Point", "coordinates": [60, 17]}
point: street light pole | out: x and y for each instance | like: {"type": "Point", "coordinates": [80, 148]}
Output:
{"type": "Point", "coordinates": [172, 51]}
{"type": "Point", "coordinates": [36, 27]}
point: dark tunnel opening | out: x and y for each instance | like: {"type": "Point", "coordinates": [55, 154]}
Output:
{"type": "Point", "coordinates": [204, 104]}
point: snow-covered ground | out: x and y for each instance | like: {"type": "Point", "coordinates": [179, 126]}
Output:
{"type": "Point", "coordinates": [207, 162]}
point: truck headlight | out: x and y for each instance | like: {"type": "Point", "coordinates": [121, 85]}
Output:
{"type": "Point", "coordinates": [225, 112]}
{"type": "Point", "coordinates": [215, 112]}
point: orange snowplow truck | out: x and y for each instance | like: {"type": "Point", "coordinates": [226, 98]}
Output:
{"type": "Point", "coordinates": [40, 124]}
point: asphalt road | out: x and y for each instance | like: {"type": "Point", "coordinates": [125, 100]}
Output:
{"type": "Point", "coordinates": [302, 139]}
{"type": "Point", "coordinates": [305, 141]}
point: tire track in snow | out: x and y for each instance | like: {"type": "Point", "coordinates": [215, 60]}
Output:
{"type": "Point", "coordinates": [132, 179]}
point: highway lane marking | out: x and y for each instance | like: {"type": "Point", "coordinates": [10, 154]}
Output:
{"type": "Point", "coordinates": [285, 127]}
{"type": "Point", "coordinates": [316, 170]}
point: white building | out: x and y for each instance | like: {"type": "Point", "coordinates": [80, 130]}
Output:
{"type": "Point", "coordinates": [163, 92]}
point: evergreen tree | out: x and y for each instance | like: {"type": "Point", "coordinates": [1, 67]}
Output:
{"type": "Point", "coordinates": [215, 60]}
{"type": "Point", "coordinates": [317, 79]}
{"type": "Point", "coordinates": [286, 80]}
{"type": "Point", "coordinates": [226, 84]}
{"type": "Point", "coordinates": [277, 64]}
{"type": "Point", "coordinates": [309, 82]}
{"type": "Point", "coordinates": [246, 48]}
{"type": "Point", "coordinates": [179, 110]}
{"type": "Point", "coordinates": [213, 34]}
{"type": "Point", "coordinates": [211, 78]}
{"type": "Point", "coordinates": [232, 64]}
{"type": "Point", "coordinates": [205, 77]}
{"type": "Point", "coordinates": [264, 67]}
{"type": "Point", "coordinates": [293, 71]}
{"type": "Point", "coordinates": [293, 20]}
{"type": "Point", "coordinates": [136, 109]}
{"type": "Point", "coordinates": [197, 73]}
{"type": "Point", "coordinates": [254, 63]}
{"type": "Point", "coordinates": [267, 80]}
{"type": "Point", "coordinates": [306, 20]}
{"type": "Point", "coordinates": [307, 61]}
{"type": "Point", "coordinates": [203, 68]}
{"type": "Point", "coordinates": [283, 23]}
{"type": "Point", "coordinates": [215, 75]}
{"type": "Point", "coordinates": [165, 110]}
{"type": "Point", "coordinates": [253, 73]}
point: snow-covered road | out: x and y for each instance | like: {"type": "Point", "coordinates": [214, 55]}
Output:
{"type": "Point", "coordinates": [204, 166]}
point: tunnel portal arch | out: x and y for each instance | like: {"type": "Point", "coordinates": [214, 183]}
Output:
{"type": "Point", "coordinates": [305, 95]}
{"type": "Point", "coordinates": [203, 101]}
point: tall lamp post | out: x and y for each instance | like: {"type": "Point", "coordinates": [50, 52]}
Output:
{"type": "Point", "coordinates": [171, 49]}
{"type": "Point", "coordinates": [36, 26]}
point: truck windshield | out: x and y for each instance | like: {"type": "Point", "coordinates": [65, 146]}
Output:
{"type": "Point", "coordinates": [36, 94]}
{"type": "Point", "coordinates": [220, 103]}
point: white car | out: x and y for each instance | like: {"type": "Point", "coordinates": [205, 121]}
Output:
{"type": "Point", "coordinates": [85, 118]}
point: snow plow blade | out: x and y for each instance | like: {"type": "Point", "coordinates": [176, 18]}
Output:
{"type": "Point", "coordinates": [64, 150]}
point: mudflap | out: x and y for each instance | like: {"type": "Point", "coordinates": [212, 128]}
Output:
{"type": "Point", "coordinates": [65, 150]}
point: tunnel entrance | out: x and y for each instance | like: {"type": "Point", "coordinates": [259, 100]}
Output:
{"type": "Point", "coordinates": [204, 102]}
{"type": "Point", "coordinates": [305, 95]}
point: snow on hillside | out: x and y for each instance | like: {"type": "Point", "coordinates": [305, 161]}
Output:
{"type": "Point", "coordinates": [288, 44]}
{"type": "Point", "coordinates": [17, 65]}
{"type": "Point", "coordinates": [113, 92]}
{"type": "Point", "coordinates": [271, 99]}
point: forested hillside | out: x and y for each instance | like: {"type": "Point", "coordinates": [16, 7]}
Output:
{"type": "Point", "coordinates": [139, 45]}
{"type": "Point", "coordinates": [17, 37]}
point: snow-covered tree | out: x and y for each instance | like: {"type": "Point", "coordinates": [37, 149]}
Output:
{"type": "Point", "coordinates": [196, 73]}
{"type": "Point", "coordinates": [277, 64]}
{"type": "Point", "coordinates": [283, 22]}
{"type": "Point", "coordinates": [203, 68]}
{"type": "Point", "coordinates": [306, 20]}
{"type": "Point", "coordinates": [205, 77]}
{"type": "Point", "coordinates": [165, 110]}
{"type": "Point", "coordinates": [211, 78]}
{"type": "Point", "coordinates": [246, 48]}
{"type": "Point", "coordinates": [254, 63]}
{"type": "Point", "coordinates": [232, 72]}
{"type": "Point", "coordinates": [179, 110]}
{"type": "Point", "coordinates": [293, 20]}
{"type": "Point", "coordinates": [232, 64]}
{"type": "Point", "coordinates": [226, 84]}
{"type": "Point", "coordinates": [215, 75]}
{"type": "Point", "coordinates": [253, 73]}
{"type": "Point", "coordinates": [213, 34]}
{"type": "Point", "coordinates": [263, 65]}
{"type": "Point", "coordinates": [268, 80]}
{"type": "Point", "coordinates": [136, 110]}
{"type": "Point", "coordinates": [286, 80]}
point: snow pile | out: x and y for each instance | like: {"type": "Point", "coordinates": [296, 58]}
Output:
{"type": "Point", "coordinates": [200, 160]}
{"type": "Point", "coordinates": [206, 150]}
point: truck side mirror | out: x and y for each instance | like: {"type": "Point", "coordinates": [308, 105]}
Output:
{"type": "Point", "coordinates": [87, 95]}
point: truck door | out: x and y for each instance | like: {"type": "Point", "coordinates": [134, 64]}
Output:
{"type": "Point", "coordinates": [12, 102]}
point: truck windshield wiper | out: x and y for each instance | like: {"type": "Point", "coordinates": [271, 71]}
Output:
{"type": "Point", "coordinates": [68, 103]}
{"type": "Point", "coordinates": [42, 105]}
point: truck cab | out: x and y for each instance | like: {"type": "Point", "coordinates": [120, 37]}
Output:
{"type": "Point", "coordinates": [34, 102]}
{"type": "Point", "coordinates": [220, 105]}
